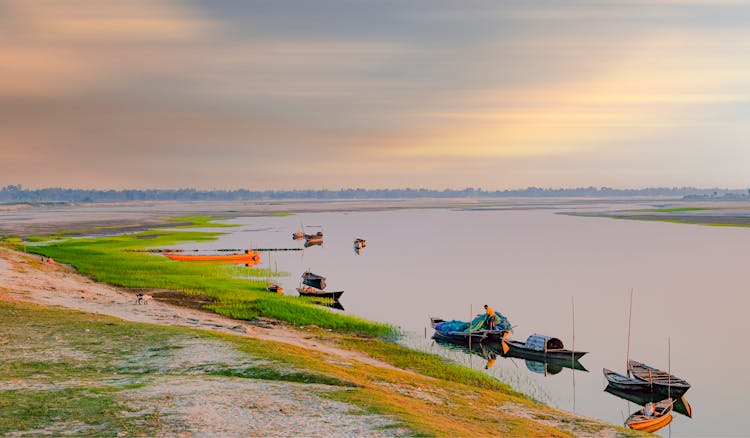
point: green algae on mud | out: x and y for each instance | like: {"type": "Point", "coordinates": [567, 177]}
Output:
{"type": "Point", "coordinates": [112, 259]}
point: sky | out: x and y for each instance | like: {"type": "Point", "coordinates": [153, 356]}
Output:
{"type": "Point", "coordinates": [279, 94]}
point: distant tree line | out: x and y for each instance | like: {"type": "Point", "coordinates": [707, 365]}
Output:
{"type": "Point", "coordinates": [17, 194]}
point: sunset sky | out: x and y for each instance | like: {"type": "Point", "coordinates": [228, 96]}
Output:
{"type": "Point", "coordinates": [374, 93]}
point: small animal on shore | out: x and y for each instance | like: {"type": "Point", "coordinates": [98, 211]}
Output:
{"type": "Point", "coordinates": [143, 298]}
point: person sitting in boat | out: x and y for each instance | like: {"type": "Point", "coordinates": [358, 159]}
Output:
{"type": "Point", "coordinates": [650, 409]}
{"type": "Point", "coordinates": [490, 317]}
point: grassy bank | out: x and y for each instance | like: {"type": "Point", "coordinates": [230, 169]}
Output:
{"type": "Point", "coordinates": [67, 372]}
{"type": "Point", "coordinates": [114, 260]}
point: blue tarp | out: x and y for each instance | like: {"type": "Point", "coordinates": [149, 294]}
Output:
{"type": "Point", "coordinates": [479, 323]}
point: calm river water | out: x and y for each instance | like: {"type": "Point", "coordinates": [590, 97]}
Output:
{"type": "Point", "coordinates": [689, 286]}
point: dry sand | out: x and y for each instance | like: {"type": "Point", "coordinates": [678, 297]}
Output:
{"type": "Point", "coordinates": [200, 405]}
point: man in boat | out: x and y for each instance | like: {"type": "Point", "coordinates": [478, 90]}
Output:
{"type": "Point", "coordinates": [650, 410]}
{"type": "Point", "coordinates": [490, 317]}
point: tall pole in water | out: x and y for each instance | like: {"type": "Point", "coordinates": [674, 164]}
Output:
{"type": "Point", "coordinates": [669, 367]}
{"type": "Point", "coordinates": [630, 320]}
{"type": "Point", "coordinates": [572, 353]}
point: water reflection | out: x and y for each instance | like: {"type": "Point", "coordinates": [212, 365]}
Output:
{"type": "Point", "coordinates": [490, 353]}
{"type": "Point", "coordinates": [313, 242]}
{"type": "Point", "coordinates": [681, 405]}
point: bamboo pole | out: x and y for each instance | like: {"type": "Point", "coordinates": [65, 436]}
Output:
{"type": "Point", "coordinates": [630, 320]}
{"type": "Point", "coordinates": [669, 367]}
{"type": "Point", "coordinates": [573, 348]}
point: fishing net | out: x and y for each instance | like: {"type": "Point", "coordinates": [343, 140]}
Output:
{"type": "Point", "coordinates": [481, 322]}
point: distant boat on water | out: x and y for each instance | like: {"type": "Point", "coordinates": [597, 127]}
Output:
{"type": "Point", "coordinates": [248, 257]}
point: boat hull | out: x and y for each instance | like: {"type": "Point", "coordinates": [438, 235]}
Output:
{"type": "Point", "coordinates": [251, 257]}
{"type": "Point", "coordinates": [322, 294]}
{"type": "Point", "coordinates": [624, 383]}
{"type": "Point", "coordinates": [478, 337]}
{"type": "Point", "coordinates": [517, 349]}
{"type": "Point", "coordinates": [661, 381]}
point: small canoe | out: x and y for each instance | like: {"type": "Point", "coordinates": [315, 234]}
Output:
{"type": "Point", "coordinates": [307, 291]}
{"type": "Point", "coordinates": [541, 347]}
{"type": "Point", "coordinates": [314, 280]}
{"type": "Point", "coordinates": [660, 416]}
{"type": "Point", "coordinates": [276, 288]}
{"type": "Point", "coordinates": [360, 243]}
{"type": "Point", "coordinates": [247, 257]}
{"type": "Point", "coordinates": [661, 381]}
{"type": "Point", "coordinates": [298, 235]}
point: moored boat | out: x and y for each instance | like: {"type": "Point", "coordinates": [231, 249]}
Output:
{"type": "Point", "coordinates": [248, 257]}
{"type": "Point", "coordinates": [541, 347]}
{"type": "Point", "coordinates": [314, 280]}
{"type": "Point", "coordinates": [476, 331]}
{"type": "Point", "coordinates": [652, 417]}
{"type": "Point", "coordinates": [307, 291]}
{"type": "Point", "coordinates": [275, 288]}
{"type": "Point", "coordinates": [659, 380]}
{"type": "Point", "coordinates": [626, 383]}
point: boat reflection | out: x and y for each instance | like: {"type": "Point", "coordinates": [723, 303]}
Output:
{"type": "Point", "coordinates": [681, 405]}
{"type": "Point", "coordinates": [313, 242]}
{"type": "Point", "coordinates": [490, 353]}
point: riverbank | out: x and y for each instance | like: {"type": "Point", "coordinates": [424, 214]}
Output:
{"type": "Point", "coordinates": [261, 367]}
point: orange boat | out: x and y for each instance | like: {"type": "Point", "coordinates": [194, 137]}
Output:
{"type": "Point", "coordinates": [249, 257]}
{"type": "Point", "coordinates": [652, 417]}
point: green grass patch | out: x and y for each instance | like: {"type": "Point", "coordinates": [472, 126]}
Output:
{"type": "Point", "coordinates": [281, 214]}
{"type": "Point", "coordinates": [198, 222]}
{"type": "Point", "coordinates": [112, 260]}
{"type": "Point", "coordinates": [87, 411]}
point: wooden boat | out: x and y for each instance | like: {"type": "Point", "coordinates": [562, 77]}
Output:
{"type": "Point", "coordinates": [443, 331]}
{"type": "Point", "coordinates": [276, 288]}
{"type": "Point", "coordinates": [625, 383]}
{"type": "Point", "coordinates": [248, 257]}
{"type": "Point", "coordinates": [541, 347]}
{"type": "Point", "coordinates": [298, 235]}
{"type": "Point", "coordinates": [360, 243]}
{"type": "Point", "coordinates": [307, 291]}
{"type": "Point", "coordinates": [659, 380]}
{"type": "Point", "coordinates": [313, 237]}
{"type": "Point", "coordinates": [681, 405]}
{"type": "Point", "coordinates": [661, 416]}
{"type": "Point", "coordinates": [314, 280]}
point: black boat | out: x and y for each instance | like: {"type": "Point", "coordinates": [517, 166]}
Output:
{"type": "Point", "coordinates": [307, 291]}
{"type": "Point", "coordinates": [681, 405]}
{"type": "Point", "coordinates": [541, 347]}
{"type": "Point", "coordinates": [618, 381]}
{"type": "Point", "coordinates": [476, 332]}
{"type": "Point", "coordinates": [659, 380]}
{"type": "Point", "coordinates": [314, 280]}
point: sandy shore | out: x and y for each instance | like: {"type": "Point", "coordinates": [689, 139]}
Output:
{"type": "Point", "coordinates": [204, 406]}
